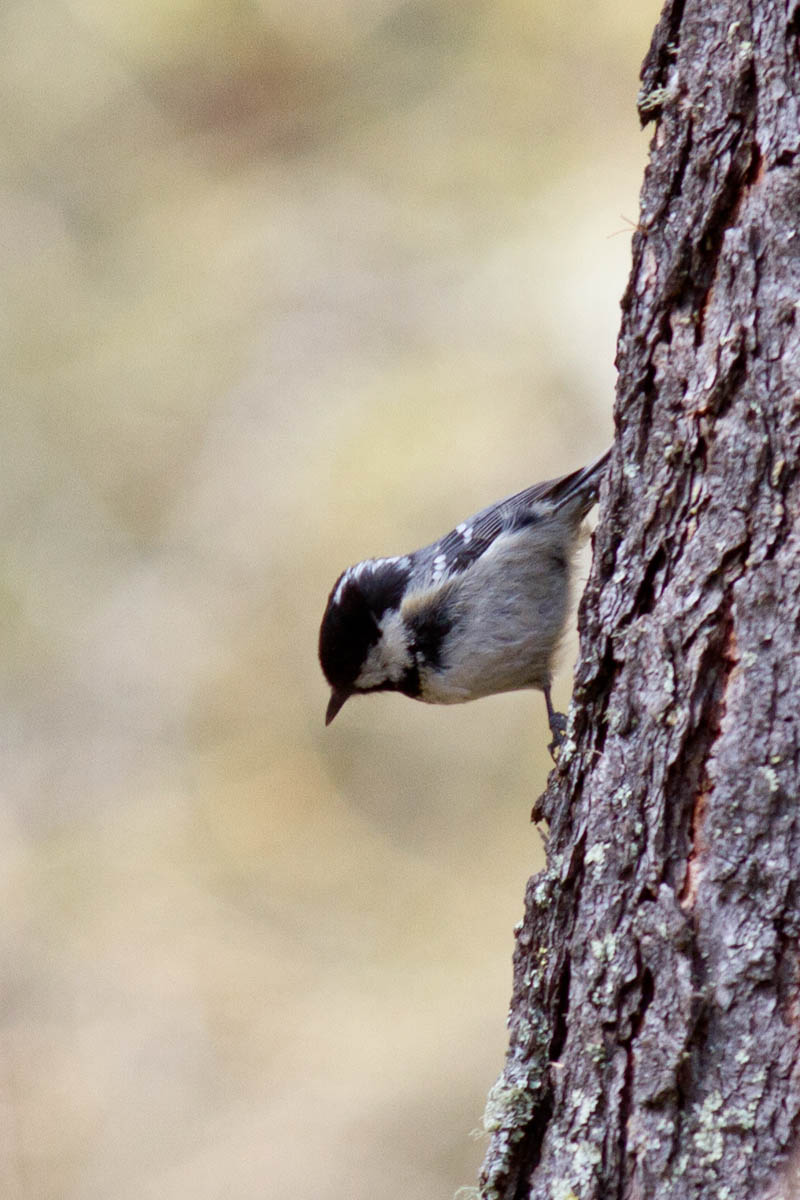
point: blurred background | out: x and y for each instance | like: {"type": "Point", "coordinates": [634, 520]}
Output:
{"type": "Point", "coordinates": [283, 286]}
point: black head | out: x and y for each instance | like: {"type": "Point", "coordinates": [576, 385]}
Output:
{"type": "Point", "coordinates": [354, 624]}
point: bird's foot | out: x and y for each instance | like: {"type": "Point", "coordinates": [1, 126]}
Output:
{"type": "Point", "coordinates": [558, 728]}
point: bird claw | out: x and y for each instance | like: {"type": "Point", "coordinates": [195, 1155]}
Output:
{"type": "Point", "coordinates": [558, 728]}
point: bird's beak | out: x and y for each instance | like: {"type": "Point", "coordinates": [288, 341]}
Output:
{"type": "Point", "coordinates": [335, 703]}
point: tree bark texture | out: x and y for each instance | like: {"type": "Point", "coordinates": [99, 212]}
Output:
{"type": "Point", "coordinates": [655, 1020]}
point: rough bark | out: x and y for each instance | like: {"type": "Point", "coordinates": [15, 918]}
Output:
{"type": "Point", "coordinates": [655, 1019]}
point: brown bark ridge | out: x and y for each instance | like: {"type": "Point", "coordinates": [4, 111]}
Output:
{"type": "Point", "coordinates": [655, 1019]}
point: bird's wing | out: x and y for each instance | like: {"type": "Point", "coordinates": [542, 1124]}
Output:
{"type": "Point", "coordinates": [462, 546]}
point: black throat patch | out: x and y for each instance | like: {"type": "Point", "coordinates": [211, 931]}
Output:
{"type": "Point", "coordinates": [429, 628]}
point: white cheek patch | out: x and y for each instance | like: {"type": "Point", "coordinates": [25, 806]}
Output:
{"type": "Point", "coordinates": [390, 658]}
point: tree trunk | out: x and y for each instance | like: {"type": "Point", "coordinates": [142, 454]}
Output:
{"type": "Point", "coordinates": [655, 1019]}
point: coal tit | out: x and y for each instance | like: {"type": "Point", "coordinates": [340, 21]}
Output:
{"type": "Point", "coordinates": [478, 612]}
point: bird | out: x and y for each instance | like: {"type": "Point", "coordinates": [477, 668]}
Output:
{"type": "Point", "coordinates": [479, 611]}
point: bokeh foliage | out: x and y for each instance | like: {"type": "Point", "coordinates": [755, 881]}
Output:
{"type": "Point", "coordinates": [283, 286]}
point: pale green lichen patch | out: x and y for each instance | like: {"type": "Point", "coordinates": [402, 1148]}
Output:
{"type": "Point", "coordinates": [623, 796]}
{"type": "Point", "coordinates": [597, 854]}
{"type": "Point", "coordinates": [542, 892]}
{"type": "Point", "coordinates": [653, 1141]}
{"type": "Point", "coordinates": [597, 1053]}
{"type": "Point", "coordinates": [744, 1117]}
{"type": "Point", "coordinates": [559, 1190]}
{"type": "Point", "coordinates": [507, 1105]}
{"type": "Point", "coordinates": [583, 1105]}
{"type": "Point", "coordinates": [586, 1156]}
{"type": "Point", "coordinates": [604, 948]}
{"type": "Point", "coordinates": [708, 1136]}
